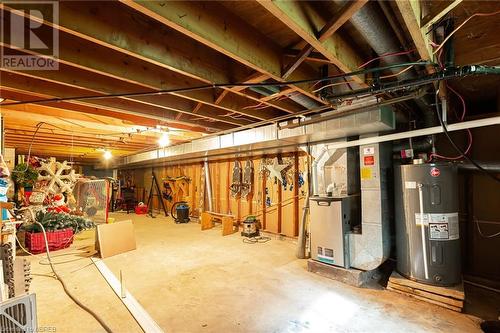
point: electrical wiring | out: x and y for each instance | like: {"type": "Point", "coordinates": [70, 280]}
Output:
{"type": "Point", "coordinates": [461, 118]}
{"type": "Point", "coordinates": [258, 239]}
{"type": "Point", "coordinates": [445, 129]}
{"type": "Point", "coordinates": [222, 85]}
{"type": "Point", "coordinates": [386, 55]}
{"type": "Point", "coordinates": [58, 277]}
{"type": "Point", "coordinates": [332, 84]}
{"type": "Point", "coordinates": [254, 106]}
{"type": "Point", "coordinates": [38, 126]}
{"type": "Point", "coordinates": [398, 73]}
{"type": "Point", "coordinates": [481, 232]}
{"type": "Point", "coordinates": [461, 25]}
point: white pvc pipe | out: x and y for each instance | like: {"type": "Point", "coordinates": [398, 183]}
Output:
{"type": "Point", "coordinates": [422, 228]}
{"type": "Point", "coordinates": [314, 168]}
{"type": "Point", "coordinates": [420, 132]}
{"type": "Point", "coordinates": [209, 186]}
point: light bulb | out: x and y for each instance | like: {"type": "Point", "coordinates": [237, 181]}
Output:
{"type": "Point", "coordinates": [164, 140]}
{"type": "Point", "coordinates": [107, 155]}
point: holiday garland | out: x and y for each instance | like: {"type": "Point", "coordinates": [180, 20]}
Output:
{"type": "Point", "coordinates": [53, 221]}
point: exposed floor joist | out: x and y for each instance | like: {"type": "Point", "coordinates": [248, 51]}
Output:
{"type": "Point", "coordinates": [302, 18]}
{"type": "Point", "coordinates": [214, 26]}
{"type": "Point", "coordinates": [345, 13]}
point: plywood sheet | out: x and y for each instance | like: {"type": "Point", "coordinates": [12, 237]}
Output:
{"type": "Point", "coordinates": [115, 238]}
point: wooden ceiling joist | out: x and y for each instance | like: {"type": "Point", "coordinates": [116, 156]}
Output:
{"type": "Point", "coordinates": [214, 26]}
{"type": "Point", "coordinates": [17, 95]}
{"type": "Point", "coordinates": [344, 14]}
{"type": "Point", "coordinates": [98, 84]}
{"type": "Point", "coordinates": [303, 19]}
{"type": "Point", "coordinates": [411, 14]}
{"type": "Point", "coordinates": [141, 41]}
{"type": "Point", "coordinates": [26, 81]}
{"type": "Point", "coordinates": [106, 61]}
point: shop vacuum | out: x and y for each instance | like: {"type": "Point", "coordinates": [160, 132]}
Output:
{"type": "Point", "coordinates": [181, 209]}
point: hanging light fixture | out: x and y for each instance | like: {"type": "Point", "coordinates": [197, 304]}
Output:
{"type": "Point", "coordinates": [164, 140]}
{"type": "Point", "coordinates": [107, 155]}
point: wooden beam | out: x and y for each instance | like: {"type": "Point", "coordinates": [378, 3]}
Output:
{"type": "Point", "coordinates": [304, 20]}
{"type": "Point", "coordinates": [430, 19]}
{"type": "Point", "coordinates": [286, 106]}
{"type": "Point", "coordinates": [296, 216]}
{"type": "Point", "coordinates": [410, 12]}
{"type": "Point", "coordinates": [99, 84]}
{"type": "Point", "coordinates": [79, 122]}
{"type": "Point", "coordinates": [214, 26]}
{"type": "Point", "coordinates": [142, 317]}
{"type": "Point", "coordinates": [303, 54]}
{"type": "Point", "coordinates": [344, 14]}
{"type": "Point", "coordinates": [62, 84]}
{"type": "Point", "coordinates": [144, 41]}
{"type": "Point", "coordinates": [105, 61]}
{"type": "Point", "coordinates": [17, 95]}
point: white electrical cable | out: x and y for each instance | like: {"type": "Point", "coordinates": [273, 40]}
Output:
{"type": "Point", "coordinates": [84, 307]}
{"type": "Point", "coordinates": [422, 228]}
{"type": "Point", "coordinates": [481, 233]}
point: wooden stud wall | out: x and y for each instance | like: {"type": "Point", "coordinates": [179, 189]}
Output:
{"type": "Point", "coordinates": [282, 217]}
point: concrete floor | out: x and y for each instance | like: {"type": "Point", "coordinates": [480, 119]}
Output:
{"type": "Point", "coordinates": [194, 281]}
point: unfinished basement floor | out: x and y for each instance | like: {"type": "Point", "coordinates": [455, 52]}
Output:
{"type": "Point", "coordinates": [194, 281]}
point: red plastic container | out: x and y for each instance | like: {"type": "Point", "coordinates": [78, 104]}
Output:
{"type": "Point", "coordinates": [141, 210]}
{"type": "Point", "coordinates": [57, 240]}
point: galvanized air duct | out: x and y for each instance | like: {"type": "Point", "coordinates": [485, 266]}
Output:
{"type": "Point", "coordinates": [372, 25]}
{"type": "Point", "coordinates": [304, 101]}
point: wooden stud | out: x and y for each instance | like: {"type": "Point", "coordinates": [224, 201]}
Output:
{"type": "Point", "coordinates": [296, 194]}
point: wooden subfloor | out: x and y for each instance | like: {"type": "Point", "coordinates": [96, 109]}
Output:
{"type": "Point", "coordinates": [194, 281]}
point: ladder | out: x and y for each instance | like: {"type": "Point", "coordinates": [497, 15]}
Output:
{"type": "Point", "coordinates": [155, 192]}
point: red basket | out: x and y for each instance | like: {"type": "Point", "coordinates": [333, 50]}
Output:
{"type": "Point", "coordinates": [141, 209]}
{"type": "Point", "coordinates": [57, 240]}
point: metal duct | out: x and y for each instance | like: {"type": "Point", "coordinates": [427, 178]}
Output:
{"type": "Point", "coordinates": [372, 25]}
{"type": "Point", "coordinates": [372, 246]}
{"type": "Point", "coordinates": [266, 138]}
{"type": "Point", "coordinates": [304, 101]}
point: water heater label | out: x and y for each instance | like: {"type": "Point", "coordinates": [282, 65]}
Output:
{"type": "Point", "coordinates": [439, 231]}
{"type": "Point", "coordinates": [442, 227]}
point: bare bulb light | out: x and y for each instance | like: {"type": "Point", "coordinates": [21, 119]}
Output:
{"type": "Point", "coordinates": [164, 140]}
{"type": "Point", "coordinates": [107, 155]}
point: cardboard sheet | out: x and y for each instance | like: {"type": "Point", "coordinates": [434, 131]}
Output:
{"type": "Point", "coordinates": [115, 238]}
